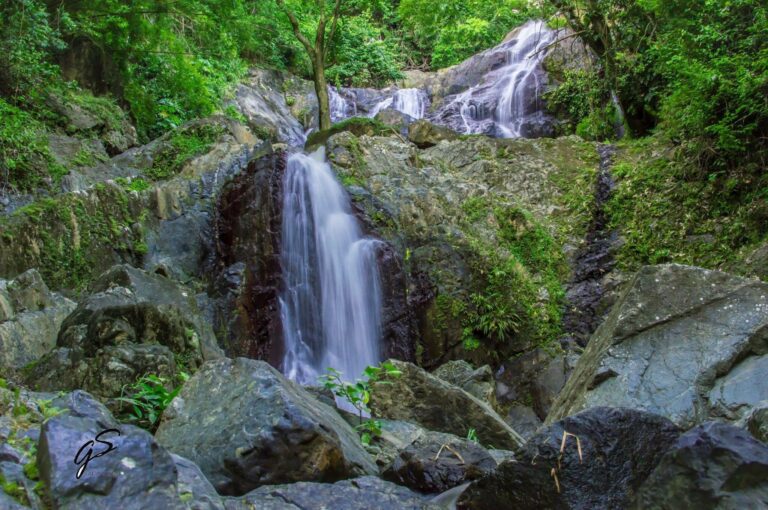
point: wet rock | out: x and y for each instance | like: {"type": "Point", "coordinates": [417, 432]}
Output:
{"type": "Point", "coordinates": [420, 397]}
{"type": "Point", "coordinates": [137, 473]}
{"type": "Point", "coordinates": [363, 492]}
{"type": "Point", "coordinates": [532, 379]}
{"type": "Point", "coordinates": [616, 451]}
{"type": "Point", "coordinates": [133, 323]}
{"type": "Point", "coordinates": [477, 382]}
{"type": "Point", "coordinates": [683, 342]}
{"type": "Point", "coordinates": [426, 134]}
{"type": "Point", "coordinates": [714, 465]}
{"type": "Point", "coordinates": [246, 289]}
{"type": "Point", "coordinates": [436, 462]}
{"type": "Point", "coordinates": [30, 318]}
{"type": "Point", "coordinates": [259, 428]}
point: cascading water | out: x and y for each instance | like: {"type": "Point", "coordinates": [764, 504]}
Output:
{"type": "Point", "coordinates": [412, 102]}
{"type": "Point", "coordinates": [340, 107]}
{"type": "Point", "coordinates": [522, 81]}
{"type": "Point", "coordinates": [331, 302]}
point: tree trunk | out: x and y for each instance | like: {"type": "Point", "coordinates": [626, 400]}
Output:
{"type": "Point", "coordinates": [321, 90]}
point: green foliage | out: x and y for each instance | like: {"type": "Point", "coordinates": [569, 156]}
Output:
{"type": "Point", "coordinates": [25, 158]}
{"type": "Point", "coordinates": [472, 435]}
{"type": "Point", "coordinates": [182, 146]}
{"type": "Point", "coordinates": [363, 56]}
{"type": "Point", "coordinates": [358, 394]}
{"type": "Point", "coordinates": [667, 218]}
{"type": "Point", "coordinates": [448, 32]}
{"type": "Point", "coordinates": [582, 99]}
{"type": "Point", "coordinates": [147, 399]}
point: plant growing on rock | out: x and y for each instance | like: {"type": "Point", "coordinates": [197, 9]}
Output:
{"type": "Point", "coordinates": [148, 399]}
{"type": "Point", "coordinates": [359, 394]}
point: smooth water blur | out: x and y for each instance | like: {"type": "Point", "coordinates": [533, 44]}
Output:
{"type": "Point", "coordinates": [331, 302]}
{"type": "Point", "coordinates": [412, 102]}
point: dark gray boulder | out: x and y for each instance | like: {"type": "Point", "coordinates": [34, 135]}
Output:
{"type": "Point", "coordinates": [245, 425]}
{"type": "Point", "coordinates": [713, 466]}
{"type": "Point", "coordinates": [420, 397]}
{"type": "Point", "coordinates": [615, 452]}
{"type": "Point", "coordinates": [132, 324]}
{"type": "Point", "coordinates": [363, 492]}
{"type": "Point", "coordinates": [135, 474]}
{"type": "Point", "coordinates": [30, 318]}
{"type": "Point", "coordinates": [194, 488]}
{"type": "Point", "coordinates": [436, 462]}
{"type": "Point", "coordinates": [683, 342]}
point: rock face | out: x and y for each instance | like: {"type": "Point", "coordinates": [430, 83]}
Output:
{"type": "Point", "coordinates": [446, 208]}
{"type": "Point", "coordinates": [30, 317]}
{"type": "Point", "coordinates": [683, 342]}
{"type": "Point", "coordinates": [137, 473]}
{"type": "Point", "coordinates": [133, 324]}
{"type": "Point", "coordinates": [616, 451]}
{"type": "Point", "coordinates": [247, 227]}
{"type": "Point", "coordinates": [437, 462]}
{"type": "Point", "coordinates": [477, 382]}
{"type": "Point", "coordinates": [711, 466]}
{"type": "Point", "coordinates": [260, 100]}
{"type": "Point", "coordinates": [363, 492]}
{"type": "Point", "coordinates": [422, 398]}
{"type": "Point", "coordinates": [245, 425]}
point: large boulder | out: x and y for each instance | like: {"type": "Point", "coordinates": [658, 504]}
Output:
{"type": "Point", "coordinates": [426, 134]}
{"type": "Point", "coordinates": [132, 324]}
{"type": "Point", "coordinates": [475, 381]}
{"type": "Point", "coordinates": [135, 474]}
{"type": "Point", "coordinates": [30, 318]}
{"type": "Point", "coordinates": [595, 459]}
{"type": "Point", "coordinates": [245, 425]}
{"type": "Point", "coordinates": [683, 342]}
{"type": "Point", "coordinates": [422, 398]}
{"type": "Point", "coordinates": [363, 492]}
{"type": "Point", "coordinates": [436, 462]}
{"type": "Point", "coordinates": [712, 466]}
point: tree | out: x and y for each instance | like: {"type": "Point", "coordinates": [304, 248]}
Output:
{"type": "Point", "coordinates": [318, 51]}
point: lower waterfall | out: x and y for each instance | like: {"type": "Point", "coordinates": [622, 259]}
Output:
{"type": "Point", "coordinates": [331, 301]}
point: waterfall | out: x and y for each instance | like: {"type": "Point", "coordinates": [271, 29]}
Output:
{"type": "Point", "coordinates": [412, 102]}
{"type": "Point", "coordinates": [523, 59]}
{"type": "Point", "coordinates": [331, 302]}
{"type": "Point", "coordinates": [341, 108]}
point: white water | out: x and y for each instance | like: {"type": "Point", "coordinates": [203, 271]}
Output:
{"type": "Point", "coordinates": [522, 60]}
{"type": "Point", "coordinates": [412, 102]}
{"type": "Point", "coordinates": [331, 302]}
{"type": "Point", "coordinates": [340, 107]}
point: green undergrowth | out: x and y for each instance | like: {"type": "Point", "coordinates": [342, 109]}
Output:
{"type": "Point", "coordinates": [518, 298]}
{"type": "Point", "coordinates": [666, 217]}
{"type": "Point", "coordinates": [182, 146]}
{"type": "Point", "coordinates": [72, 237]}
{"type": "Point", "coordinates": [26, 162]}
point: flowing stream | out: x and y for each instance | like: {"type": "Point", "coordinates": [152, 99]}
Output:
{"type": "Point", "coordinates": [331, 302]}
